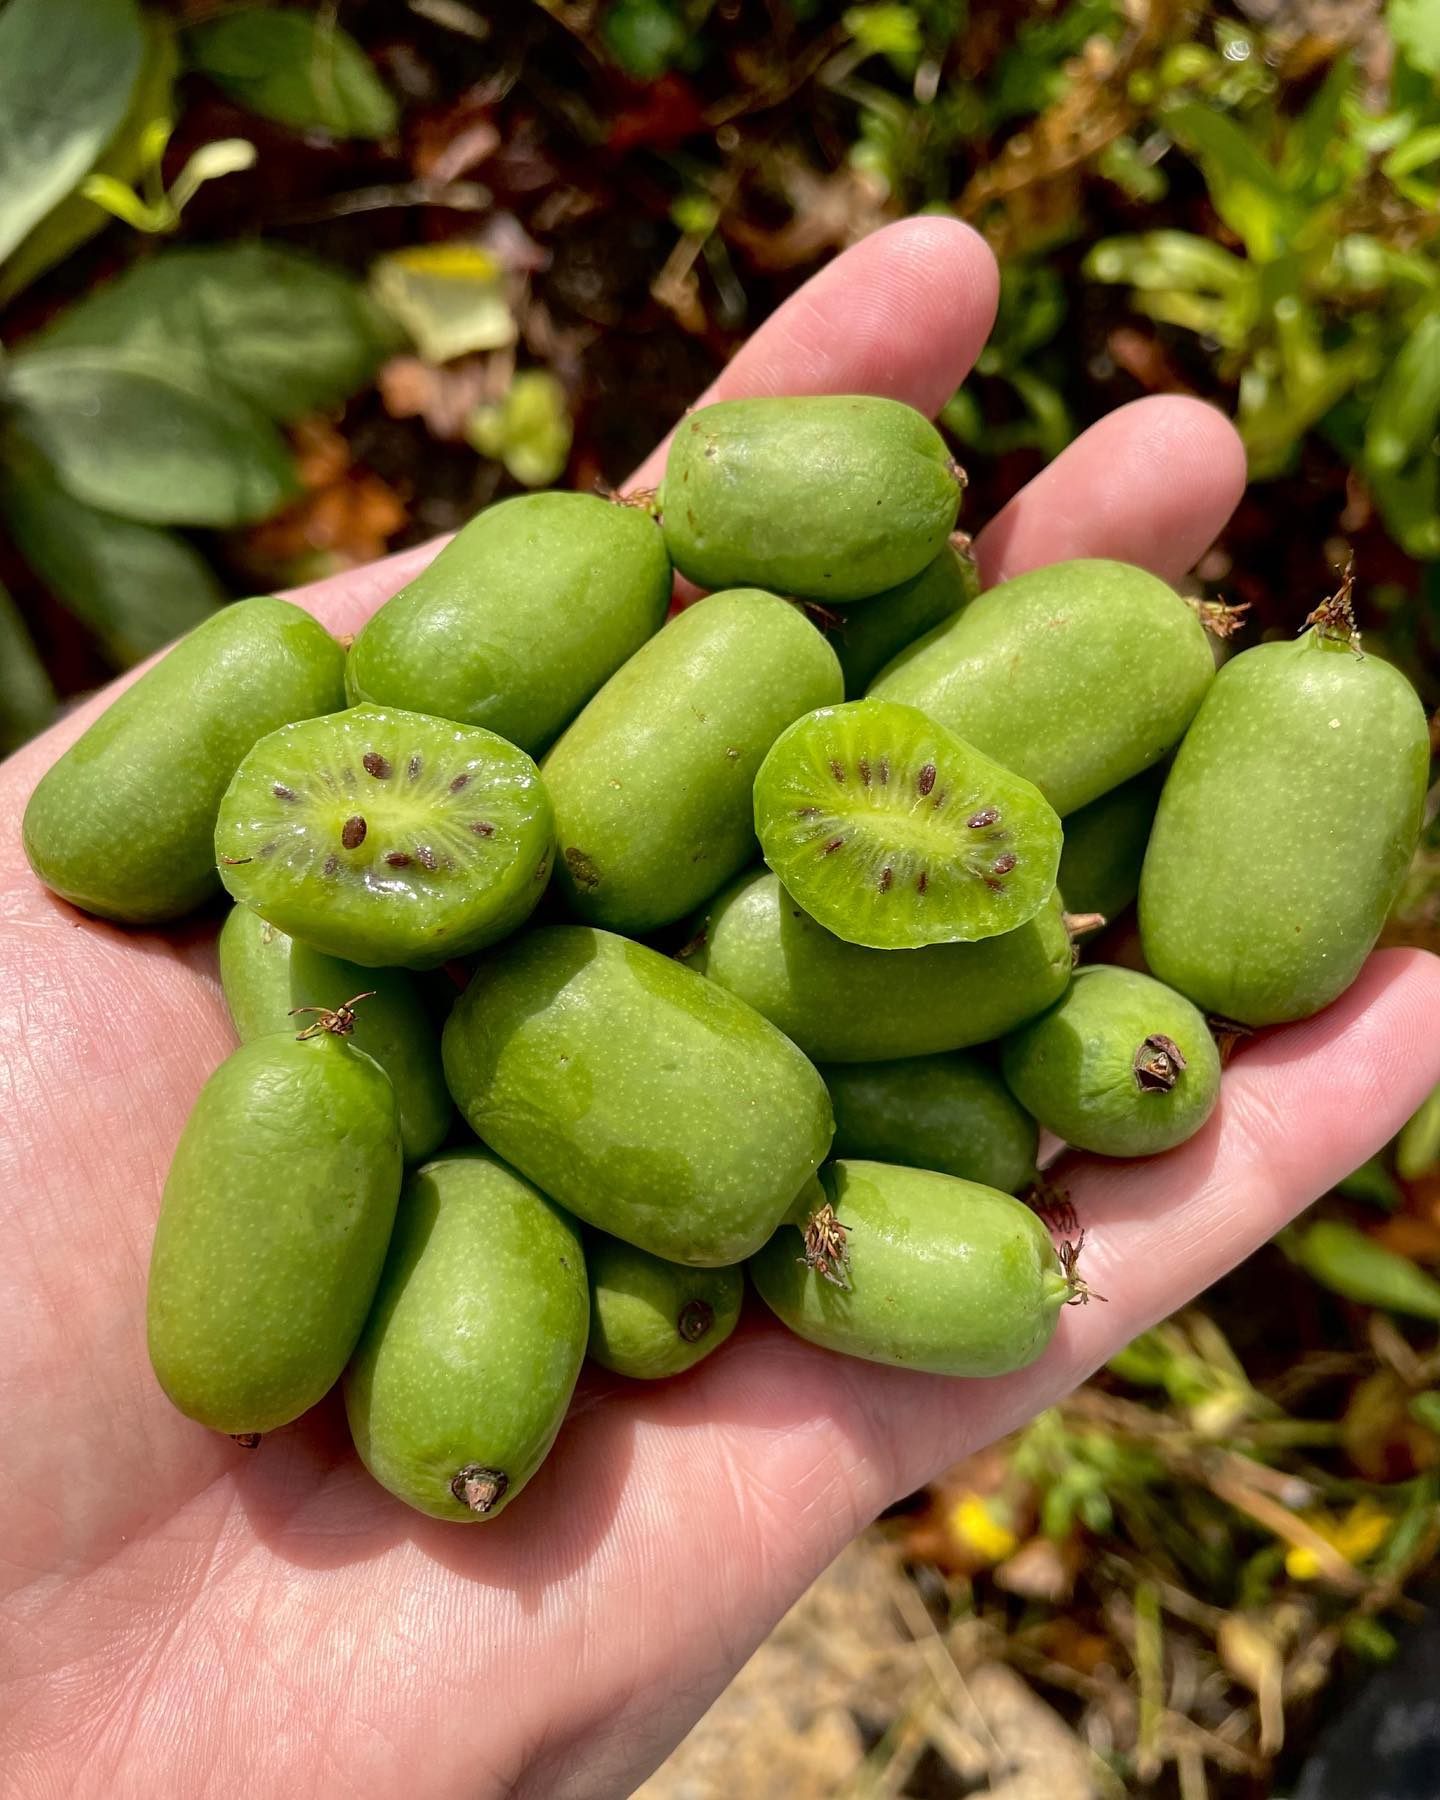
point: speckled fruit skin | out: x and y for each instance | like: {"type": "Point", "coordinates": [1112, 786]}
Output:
{"type": "Point", "coordinates": [123, 824]}
{"type": "Point", "coordinates": [950, 1113]}
{"type": "Point", "coordinates": [1074, 1066]}
{"type": "Point", "coordinates": [652, 783]}
{"type": "Point", "coordinates": [520, 617]}
{"type": "Point", "coordinates": [1284, 830]}
{"type": "Point", "coordinates": [1076, 677]}
{"type": "Point", "coordinates": [866, 637]}
{"type": "Point", "coordinates": [944, 1275]}
{"type": "Point", "coordinates": [842, 1003]}
{"type": "Point", "coordinates": [474, 1343]}
{"type": "Point", "coordinates": [832, 497]}
{"type": "Point", "coordinates": [264, 974]}
{"type": "Point", "coordinates": [649, 1102]}
{"type": "Point", "coordinates": [369, 915]}
{"type": "Point", "coordinates": [272, 1232]}
{"type": "Point", "coordinates": [1105, 846]}
{"type": "Point", "coordinates": [650, 1318]}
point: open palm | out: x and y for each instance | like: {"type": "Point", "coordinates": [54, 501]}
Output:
{"type": "Point", "coordinates": [181, 1617]}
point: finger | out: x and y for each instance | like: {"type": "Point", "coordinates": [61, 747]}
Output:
{"type": "Point", "coordinates": [1151, 483]}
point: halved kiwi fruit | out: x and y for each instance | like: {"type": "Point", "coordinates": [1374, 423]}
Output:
{"type": "Point", "coordinates": [892, 832]}
{"type": "Point", "coordinates": [387, 837]}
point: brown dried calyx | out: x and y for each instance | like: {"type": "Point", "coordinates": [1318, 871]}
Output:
{"type": "Point", "coordinates": [339, 1021]}
{"type": "Point", "coordinates": [826, 1251]}
{"type": "Point", "coordinates": [1228, 1034]}
{"type": "Point", "coordinates": [1158, 1064]}
{"type": "Point", "coordinates": [1219, 617]}
{"type": "Point", "coordinates": [1081, 1293]}
{"type": "Point", "coordinates": [1334, 619]}
{"type": "Point", "coordinates": [480, 1488]}
{"type": "Point", "coordinates": [696, 1318]}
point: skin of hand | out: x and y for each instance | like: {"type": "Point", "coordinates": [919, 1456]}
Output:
{"type": "Point", "coordinates": [181, 1618]}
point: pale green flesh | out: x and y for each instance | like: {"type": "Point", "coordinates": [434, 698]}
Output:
{"type": "Point", "coordinates": [950, 1113]}
{"type": "Point", "coordinates": [520, 618]}
{"type": "Point", "coordinates": [272, 1231]}
{"type": "Point", "coordinates": [832, 497]}
{"type": "Point", "coordinates": [649, 1102]}
{"type": "Point", "coordinates": [652, 783]}
{"type": "Point", "coordinates": [265, 975]}
{"type": "Point", "coordinates": [473, 1346]}
{"type": "Point", "coordinates": [1284, 830]}
{"type": "Point", "coordinates": [650, 1318]}
{"type": "Point", "coordinates": [943, 1275]}
{"type": "Point", "coordinates": [1074, 1066]}
{"type": "Point", "coordinates": [1077, 676]}
{"type": "Point", "coordinates": [123, 824]}
{"type": "Point", "coordinates": [844, 1003]}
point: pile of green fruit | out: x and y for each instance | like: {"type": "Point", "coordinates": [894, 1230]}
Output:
{"type": "Point", "coordinates": [657, 1045]}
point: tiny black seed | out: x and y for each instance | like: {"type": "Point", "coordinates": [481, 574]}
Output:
{"type": "Point", "coordinates": [352, 832]}
{"type": "Point", "coordinates": [1002, 865]}
{"type": "Point", "coordinates": [922, 881]}
{"type": "Point", "coordinates": [926, 778]}
{"type": "Point", "coordinates": [377, 765]}
{"type": "Point", "coordinates": [834, 844]}
{"type": "Point", "coordinates": [837, 769]}
{"type": "Point", "coordinates": [397, 859]}
{"type": "Point", "coordinates": [281, 792]}
{"type": "Point", "coordinates": [332, 865]}
{"type": "Point", "coordinates": [986, 816]}
{"type": "Point", "coordinates": [482, 828]}
{"type": "Point", "coordinates": [864, 769]}
{"type": "Point", "coordinates": [883, 770]}
{"type": "Point", "coordinates": [414, 766]}
{"type": "Point", "coordinates": [460, 781]}
{"type": "Point", "coordinates": [887, 876]}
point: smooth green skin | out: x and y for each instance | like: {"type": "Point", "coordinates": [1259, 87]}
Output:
{"type": "Point", "coordinates": [1105, 847]}
{"type": "Point", "coordinates": [649, 1102]}
{"type": "Point", "coordinates": [1074, 1067]}
{"type": "Point", "coordinates": [1077, 676]}
{"type": "Point", "coordinates": [950, 1113]}
{"type": "Point", "coordinates": [266, 975]}
{"type": "Point", "coordinates": [474, 1343]}
{"type": "Point", "coordinates": [832, 497]}
{"type": "Point", "coordinates": [945, 1275]}
{"type": "Point", "coordinates": [842, 1003]}
{"type": "Point", "coordinates": [1284, 830]}
{"type": "Point", "coordinates": [123, 824]}
{"type": "Point", "coordinates": [652, 783]}
{"type": "Point", "coordinates": [272, 1232]}
{"type": "Point", "coordinates": [823, 825]}
{"type": "Point", "coordinates": [644, 1310]}
{"type": "Point", "coordinates": [867, 637]}
{"type": "Point", "coordinates": [366, 912]}
{"type": "Point", "coordinates": [520, 618]}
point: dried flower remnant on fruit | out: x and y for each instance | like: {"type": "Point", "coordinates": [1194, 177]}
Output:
{"type": "Point", "coordinates": [339, 1021]}
{"type": "Point", "coordinates": [247, 1440]}
{"type": "Point", "coordinates": [480, 1488]}
{"type": "Point", "coordinates": [1052, 1204]}
{"type": "Point", "coordinates": [826, 1251]}
{"type": "Point", "coordinates": [696, 1318]}
{"type": "Point", "coordinates": [1081, 1294]}
{"type": "Point", "coordinates": [1228, 1034]}
{"type": "Point", "coordinates": [1221, 618]}
{"type": "Point", "coordinates": [1334, 618]}
{"type": "Point", "coordinates": [1158, 1064]}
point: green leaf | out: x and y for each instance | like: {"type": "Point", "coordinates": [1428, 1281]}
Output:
{"type": "Point", "coordinates": [1417, 1150]}
{"type": "Point", "coordinates": [66, 71]}
{"type": "Point", "coordinates": [1406, 412]}
{"type": "Point", "coordinates": [148, 437]}
{"type": "Point", "coordinates": [530, 431]}
{"type": "Point", "coordinates": [283, 331]}
{"type": "Point", "coordinates": [76, 219]}
{"type": "Point", "coordinates": [137, 588]}
{"type": "Point", "coordinates": [1353, 1264]}
{"type": "Point", "coordinates": [1414, 27]}
{"type": "Point", "coordinates": [1314, 134]}
{"type": "Point", "coordinates": [296, 69]}
{"type": "Point", "coordinates": [644, 36]}
{"type": "Point", "coordinates": [1244, 189]}
{"type": "Point", "coordinates": [27, 700]}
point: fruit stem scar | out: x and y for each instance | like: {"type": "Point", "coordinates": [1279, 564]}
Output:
{"type": "Point", "coordinates": [247, 1440]}
{"type": "Point", "coordinates": [1228, 1034]}
{"type": "Point", "coordinates": [1158, 1064]}
{"type": "Point", "coordinates": [339, 1021]}
{"type": "Point", "coordinates": [826, 1251]}
{"type": "Point", "coordinates": [696, 1318]}
{"type": "Point", "coordinates": [1081, 1293]}
{"type": "Point", "coordinates": [480, 1488]}
{"type": "Point", "coordinates": [1333, 620]}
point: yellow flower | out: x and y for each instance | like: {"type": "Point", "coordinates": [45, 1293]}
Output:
{"type": "Point", "coordinates": [973, 1523]}
{"type": "Point", "coordinates": [1356, 1536]}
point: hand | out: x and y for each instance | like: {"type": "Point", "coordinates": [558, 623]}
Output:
{"type": "Point", "coordinates": [183, 1618]}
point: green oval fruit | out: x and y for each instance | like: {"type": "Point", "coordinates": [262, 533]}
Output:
{"type": "Point", "coordinates": [1076, 677]}
{"type": "Point", "coordinates": [387, 837]}
{"type": "Point", "coordinates": [950, 1113]}
{"type": "Point", "coordinates": [834, 497]}
{"type": "Point", "coordinates": [123, 824]}
{"type": "Point", "coordinates": [866, 637]}
{"type": "Point", "coordinates": [651, 1318]}
{"type": "Point", "coordinates": [273, 1229]}
{"type": "Point", "coordinates": [471, 1352]}
{"type": "Point", "coordinates": [649, 1102]}
{"type": "Point", "coordinates": [652, 783]}
{"type": "Point", "coordinates": [1105, 847]}
{"type": "Point", "coordinates": [266, 976]}
{"type": "Point", "coordinates": [925, 1272]}
{"type": "Point", "coordinates": [520, 617]}
{"type": "Point", "coordinates": [1284, 830]}
{"type": "Point", "coordinates": [1123, 1065]}
{"type": "Point", "coordinates": [842, 1003]}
